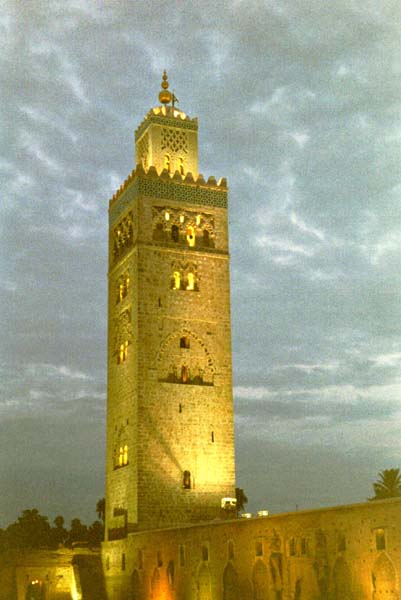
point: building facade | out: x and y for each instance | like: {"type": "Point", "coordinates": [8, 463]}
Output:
{"type": "Point", "coordinates": [170, 441]}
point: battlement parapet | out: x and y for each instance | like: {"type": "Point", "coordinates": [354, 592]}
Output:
{"type": "Point", "coordinates": [168, 116]}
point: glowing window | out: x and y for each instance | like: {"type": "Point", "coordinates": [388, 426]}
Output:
{"type": "Point", "coordinates": [122, 353]}
{"type": "Point", "coordinates": [182, 218]}
{"type": "Point", "coordinates": [123, 456]}
{"type": "Point", "coordinates": [167, 215]}
{"type": "Point", "coordinates": [181, 166]}
{"type": "Point", "coordinates": [187, 480]}
{"type": "Point", "coordinates": [175, 233]}
{"type": "Point", "coordinates": [121, 291]}
{"type": "Point", "coordinates": [191, 236]}
{"type": "Point", "coordinates": [184, 374]}
{"type": "Point", "coordinates": [167, 162]}
{"type": "Point", "coordinates": [191, 281]}
{"type": "Point", "coordinates": [177, 280]}
{"type": "Point", "coordinates": [198, 219]}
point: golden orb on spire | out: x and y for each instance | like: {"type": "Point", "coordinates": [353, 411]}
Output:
{"type": "Point", "coordinates": [165, 96]}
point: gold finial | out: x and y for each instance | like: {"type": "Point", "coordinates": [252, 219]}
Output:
{"type": "Point", "coordinates": [165, 96]}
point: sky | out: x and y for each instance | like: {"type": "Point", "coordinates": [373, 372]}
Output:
{"type": "Point", "coordinates": [299, 107]}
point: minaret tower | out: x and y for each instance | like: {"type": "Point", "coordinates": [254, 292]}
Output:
{"type": "Point", "coordinates": [170, 443]}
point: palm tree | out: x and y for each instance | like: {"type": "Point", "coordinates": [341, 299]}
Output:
{"type": "Point", "coordinates": [241, 499]}
{"type": "Point", "coordinates": [101, 509]}
{"type": "Point", "coordinates": [388, 484]}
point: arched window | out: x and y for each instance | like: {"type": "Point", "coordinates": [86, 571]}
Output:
{"type": "Point", "coordinates": [122, 353]}
{"type": "Point", "coordinates": [186, 480]}
{"type": "Point", "coordinates": [175, 233]}
{"type": "Point", "coordinates": [181, 165]}
{"type": "Point", "coordinates": [176, 280]}
{"type": "Point", "coordinates": [191, 236]}
{"type": "Point", "coordinates": [206, 237]}
{"type": "Point", "coordinates": [167, 163]}
{"type": "Point", "coordinates": [123, 456]}
{"type": "Point", "coordinates": [191, 281]}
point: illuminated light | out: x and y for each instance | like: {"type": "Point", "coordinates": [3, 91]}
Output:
{"type": "Point", "coordinates": [167, 216]}
{"type": "Point", "coordinates": [198, 219]}
{"type": "Point", "coordinates": [125, 456]}
{"type": "Point", "coordinates": [181, 166]}
{"type": "Point", "coordinates": [121, 457]}
{"type": "Point", "coordinates": [227, 503]}
{"type": "Point", "coordinates": [164, 110]}
{"type": "Point", "coordinates": [263, 513]}
{"type": "Point", "coordinates": [183, 116]}
{"type": "Point", "coordinates": [191, 281]}
{"type": "Point", "coordinates": [126, 350]}
{"type": "Point", "coordinates": [121, 291]}
{"type": "Point", "coordinates": [191, 236]}
{"type": "Point", "coordinates": [121, 354]}
{"type": "Point", "coordinates": [177, 280]}
{"type": "Point", "coordinates": [246, 515]}
{"type": "Point", "coordinates": [182, 218]}
{"type": "Point", "coordinates": [118, 232]}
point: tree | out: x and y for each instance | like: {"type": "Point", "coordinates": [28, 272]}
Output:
{"type": "Point", "coordinates": [101, 509]}
{"type": "Point", "coordinates": [241, 499]}
{"type": "Point", "coordinates": [78, 532]}
{"type": "Point", "coordinates": [388, 485]}
{"type": "Point", "coordinates": [30, 530]}
{"type": "Point", "coordinates": [58, 533]}
{"type": "Point", "coordinates": [96, 533]}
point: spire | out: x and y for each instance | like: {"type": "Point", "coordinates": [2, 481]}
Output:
{"type": "Point", "coordinates": [165, 95]}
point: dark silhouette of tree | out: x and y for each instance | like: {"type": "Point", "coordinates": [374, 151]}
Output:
{"type": "Point", "coordinates": [388, 485]}
{"type": "Point", "coordinates": [96, 533]}
{"type": "Point", "coordinates": [101, 509]}
{"type": "Point", "coordinates": [78, 532]}
{"type": "Point", "coordinates": [241, 499]}
{"type": "Point", "coordinates": [59, 534]}
{"type": "Point", "coordinates": [30, 530]}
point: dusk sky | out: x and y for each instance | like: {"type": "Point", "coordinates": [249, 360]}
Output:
{"type": "Point", "coordinates": [299, 107]}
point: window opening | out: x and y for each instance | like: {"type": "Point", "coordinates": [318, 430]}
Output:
{"type": "Point", "coordinates": [380, 539]}
{"type": "Point", "coordinates": [258, 549]}
{"type": "Point", "coordinates": [123, 562]}
{"type": "Point", "coordinates": [230, 550]}
{"type": "Point", "coordinates": [177, 280]}
{"type": "Point", "coordinates": [167, 162]}
{"type": "Point", "coordinates": [182, 218]}
{"type": "Point", "coordinates": [191, 281]}
{"type": "Point", "coordinates": [180, 408]}
{"type": "Point", "coordinates": [198, 219]}
{"type": "Point", "coordinates": [213, 436]}
{"type": "Point", "coordinates": [187, 480]}
{"type": "Point", "coordinates": [167, 215]}
{"type": "Point", "coordinates": [123, 353]}
{"type": "Point", "coordinates": [191, 236]}
{"type": "Point", "coordinates": [292, 547]}
{"type": "Point", "coordinates": [184, 342]}
{"type": "Point", "coordinates": [181, 165]}
{"type": "Point", "coordinates": [303, 546]}
{"type": "Point", "coordinates": [206, 237]}
{"type": "Point", "coordinates": [205, 553]}
{"type": "Point", "coordinates": [175, 233]}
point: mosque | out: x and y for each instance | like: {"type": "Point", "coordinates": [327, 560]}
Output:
{"type": "Point", "coordinates": [172, 530]}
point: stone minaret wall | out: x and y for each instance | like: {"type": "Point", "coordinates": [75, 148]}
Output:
{"type": "Point", "coordinates": [170, 444]}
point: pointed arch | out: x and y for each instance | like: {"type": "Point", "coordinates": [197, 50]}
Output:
{"type": "Point", "coordinates": [384, 579]}
{"type": "Point", "coordinates": [341, 578]}
{"type": "Point", "coordinates": [204, 584]}
{"type": "Point", "coordinates": [260, 580]}
{"type": "Point", "coordinates": [230, 583]}
{"type": "Point", "coordinates": [136, 592]}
